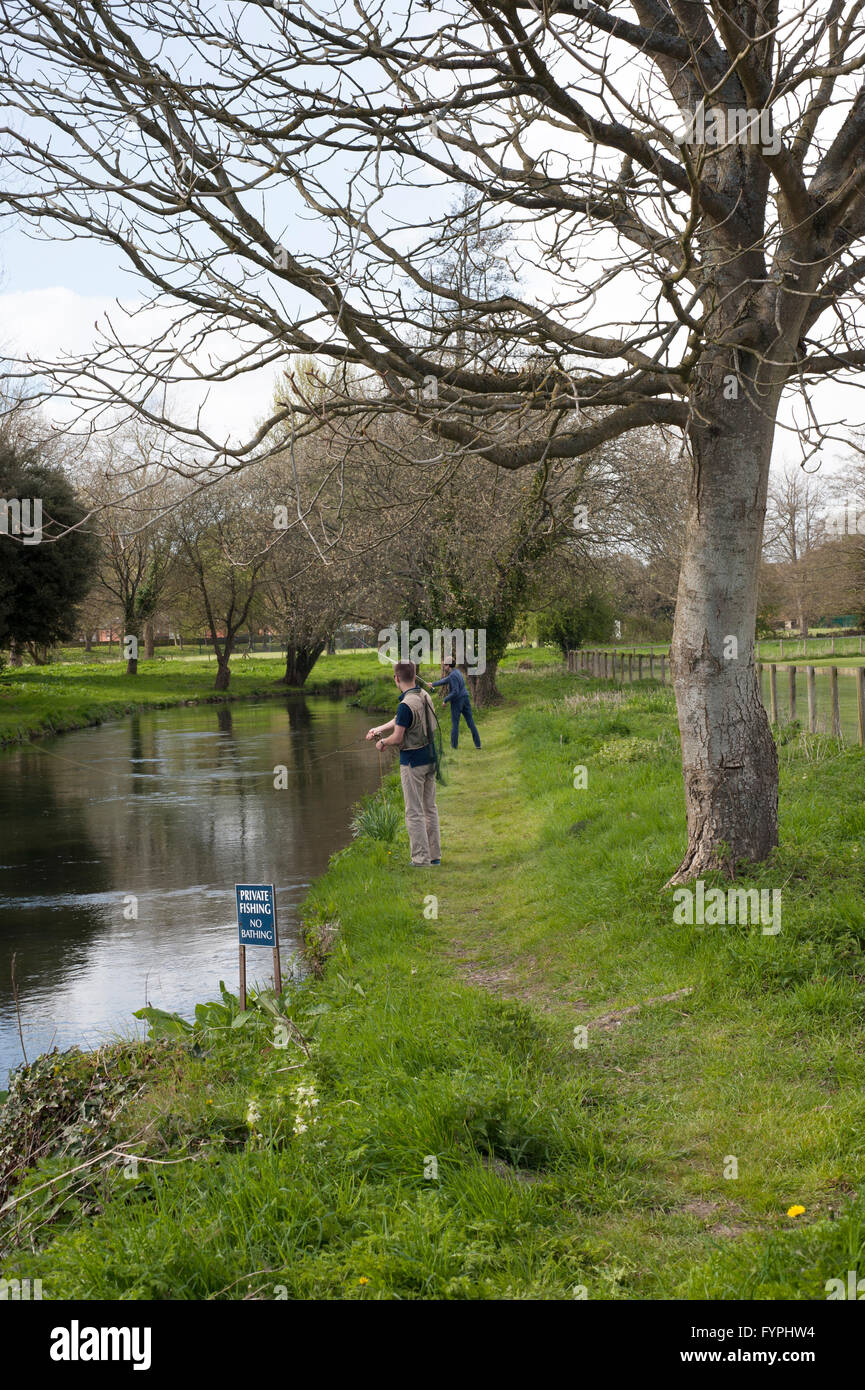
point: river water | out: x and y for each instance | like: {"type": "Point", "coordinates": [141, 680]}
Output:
{"type": "Point", "coordinates": [120, 847]}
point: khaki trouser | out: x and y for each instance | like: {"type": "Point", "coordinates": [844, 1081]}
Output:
{"type": "Point", "coordinates": [421, 814]}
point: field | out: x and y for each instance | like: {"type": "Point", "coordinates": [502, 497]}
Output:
{"type": "Point", "coordinates": [518, 1077]}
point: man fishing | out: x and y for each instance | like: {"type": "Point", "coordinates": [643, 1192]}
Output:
{"type": "Point", "coordinates": [412, 730]}
{"type": "Point", "coordinates": [458, 699]}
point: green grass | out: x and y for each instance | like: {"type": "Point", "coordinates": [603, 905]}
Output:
{"type": "Point", "coordinates": [444, 1029]}
{"type": "Point", "coordinates": [818, 649]}
{"type": "Point", "coordinates": [73, 693]}
{"type": "Point", "coordinates": [53, 699]}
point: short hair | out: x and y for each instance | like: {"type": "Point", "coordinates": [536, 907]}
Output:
{"type": "Point", "coordinates": [405, 671]}
{"type": "Point", "coordinates": [449, 661]}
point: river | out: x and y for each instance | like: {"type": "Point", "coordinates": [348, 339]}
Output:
{"type": "Point", "coordinates": [120, 847]}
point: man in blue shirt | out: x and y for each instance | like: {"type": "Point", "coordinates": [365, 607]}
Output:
{"type": "Point", "coordinates": [458, 699]}
{"type": "Point", "coordinates": [412, 731]}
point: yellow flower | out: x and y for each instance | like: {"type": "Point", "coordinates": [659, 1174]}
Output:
{"type": "Point", "coordinates": [796, 1211]}
{"type": "Point", "coordinates": [363, 1279]}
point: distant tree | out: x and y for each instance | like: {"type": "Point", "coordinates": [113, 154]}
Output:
{"type": "Point", "coordinates": [224, 546]}
{"type": "Point", "coordinates": [589, 617]}
{"type": "Point", "coordinates": [41, 583]}
{"type": "Point", "coordinates": [130, 490]}
{"type": "Point", "coordinates": [795, 533]}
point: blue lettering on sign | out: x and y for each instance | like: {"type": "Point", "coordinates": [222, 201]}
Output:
{"type": "Point", "coordinates": [256, 914]}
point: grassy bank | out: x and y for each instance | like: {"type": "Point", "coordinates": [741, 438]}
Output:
{"type": "Point", "coordinates": [38, 700]}
{"type": "Point", "coordinates": [425, 1121]}
{"type": "Point", "coordinates": [72, 694]}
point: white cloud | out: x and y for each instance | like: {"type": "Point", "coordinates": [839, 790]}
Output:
{"type": "Point", "coordinates": [52, 323]}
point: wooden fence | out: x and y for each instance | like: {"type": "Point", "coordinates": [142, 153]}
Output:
{"type": "Point", "coordinates": [833, 696]}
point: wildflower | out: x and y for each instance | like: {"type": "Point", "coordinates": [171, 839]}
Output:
{"type": "Point", "coordinates": [796, 1211]}
{"type": "Point", "coordinates": [363, 1279]}
{"type": "Point", "coordinates": [253, 1114]}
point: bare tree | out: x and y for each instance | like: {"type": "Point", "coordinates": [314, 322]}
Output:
{"type": "Point", "coordinates": [224, 548]}
{"type": "Point", "coordinates": [130, 492]}
{"type": "Point", "coordinates": [728, 255]}
{"type": "Point", "coordinates": [795, 534]}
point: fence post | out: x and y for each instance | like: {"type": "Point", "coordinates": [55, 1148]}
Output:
{"type": "Point", "coordinates": [833, 646]}
{"type": "Point", "coordinates": [812, 700]}
{"type": "Point", "coordinates": [651, 665]}
{"type": "Point", "coordinates": [663, 672]}
{"type": "Point", "coordinates": [630, 668]}
{"type": "Point", "coordinates": [791, 693]}
{"type": "Point", "coordinates": [773, 693]}
{"type": "Point", "coordinates": [639, 668]}
{"type": "Point", "coordinates": [780, 648]}
{"type": "Point", "coordinates": [833, 693]}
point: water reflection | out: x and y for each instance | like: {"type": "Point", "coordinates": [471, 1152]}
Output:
{"type": "Point", "coordinates": [120, 847]}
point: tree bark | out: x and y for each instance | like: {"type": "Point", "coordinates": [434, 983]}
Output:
{"type": "Point", "coordinates": [132, 666]}
{"type": "Point", "coordinates": [223, 673]}
{"type": "Point", "coordinates": [728, 754]}
{"type": "Point", "coordinates": [16, 656]}
{"type": "Point", "coordinates": [299, 661]}
{"type": "Point", "coordinates": [483, 688]}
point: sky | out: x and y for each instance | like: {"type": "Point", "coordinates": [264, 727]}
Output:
{"type": "Point", "coordinates": [53, 295]}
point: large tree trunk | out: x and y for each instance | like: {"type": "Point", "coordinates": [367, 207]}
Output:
{"type": "Point", "coordinates": [483, 688]}
{"type": "Point", "coordinates": [299, 661]}
{"type": "Point", "coordinates": [728, 753]}
{"type": "Point", "coordinates": [223, 673]}
{"type": "Point", "coordinates": [16, 656]}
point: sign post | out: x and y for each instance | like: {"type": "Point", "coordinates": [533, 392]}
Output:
{"type": "Point", "coordinates": [256, 926]}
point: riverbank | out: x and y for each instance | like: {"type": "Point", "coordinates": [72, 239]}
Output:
{"type": "Point", "coordinates": [430, 1120]}
{"type": "Point", "coordinates": [36, 701]}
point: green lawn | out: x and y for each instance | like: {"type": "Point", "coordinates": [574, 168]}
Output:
{"type": "Point", "coordinates": [438, 1134]}
{"type": "Point", "coordinates": [68, 695]}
